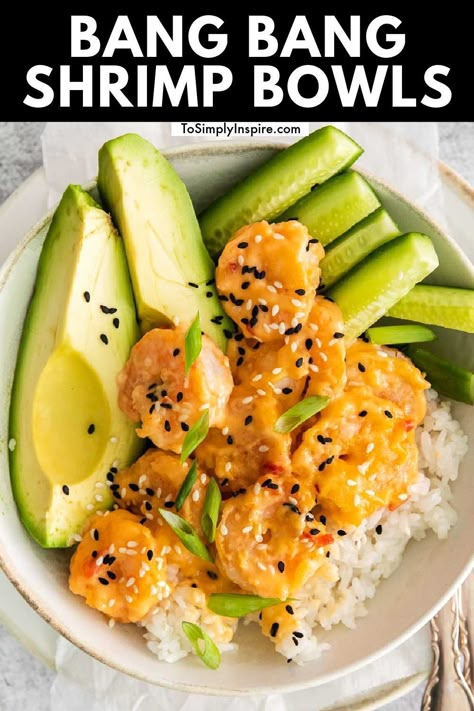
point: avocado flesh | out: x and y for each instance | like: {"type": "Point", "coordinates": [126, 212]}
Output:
{"type": "Point", "coordinates": [65, 378]}
{"type": "Point", "coordinates": [152, 209]}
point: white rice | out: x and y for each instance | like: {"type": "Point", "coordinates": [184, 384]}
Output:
{"type": "Point", "coordinates": [337, 593]}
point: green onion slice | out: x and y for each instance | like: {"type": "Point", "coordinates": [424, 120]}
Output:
{"type": "Point", "coordinates": [237, 605]}
{"type": "Point", "coordinates": [299, 413]}
{"type": "Point", "coordinates": [187, 535]}
{"type": "Point", "coordinates": [187, 485]}
{"type": "Point", "coordinates": [393, 335]}
{"type": "Point", "coordinates": [192, 343]}
{"type": "Point", "coordinates": [202, 644]}
{"type": "Point", "coordinates": [195, 435]}
{"type": "Point", "coordinates": [210, 510]}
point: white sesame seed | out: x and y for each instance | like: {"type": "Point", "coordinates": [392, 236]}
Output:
{"type": "Point", "coordinates": [258, 238]}
{"type": "Point", "coordinates": [98, 497]}
{"type": "Point", "coordinates": [274, 326]}
{"type": "Point", "coordinates": [249, 304]}
{"type": "Point", "coordinates": [12, 444]}
{"type": "Point", "coordinates": [282, 327]}
{"type": "Point", "coordinates": [228, 466]}
{"type": "Point", "coordinates": [297, 303]}
{"type": "Point", "coordinates": [356, 500]}
{"type": "Point", "coordinates": [403, 497]}
{"type": "Point", "coordinates": [263, 302]}
{"type": "Point", "coordinates": [294, 322]}
{"type": "Point", "coordinates": [277, 235]}
{"type": "Point", "coordinates": [263, 448]}
{"type": "Point", "coordinates": [314, 327]}
{"type": "Point", "coordinates": [247, 400]}
{"type": "Point", "coordinates": [247, 529]}
{"type": "Point", "coordinates": [351, 482]}
{"type": "Point", "coordinates": [333, 341]}
{"type": "Point", "coordinates": [369, 492]}
{"type": "Point", "coordinates": [113, 440]}
{"type": "Point", "coordinates": [204, 406]}
{"type": "Point", "coordinates": [225, 431]}
{"type": "Point", "coordinates": [132, 544]}
{"type": "Point", "coordinates": [318, 342]}
{"type": "Point", "coordinates": [363, 467]}
{"type": "Point", "coordinates": [256, 488]}
{"type": "Point", "coordinates": [128, 598]}
{"type": "Point", "coordinates": [257, 377]}
{"type": "Point", "coordinates": [300, 314]}
{"type": "Point", "coordinates": [123, 493]}
{"type": "Point", "coordinates": [99, 484]}
{"type": "Point", "coordinates": [112, 549]}
{"type": "Point", "coordinates": [129, 551]}
{"type": "Point", "coordinates": [99, 561]}
{"type": "Point", "coordinates": [100, 513]}
{"type": "Point", "coordinates": [196, 495]}
{"type": "Point", "coordinates": [178, 549]}
{"type": "Point", "coordinates": [203, 478]}
{"type": "Point", "coordinates": [286, 340]}
{"type": "Point", "coordinates": [292, 500]}
{"type": "Point", "coordinates": [224, 530]}
{"type": "Point", "coordinates": [370, 447]}
{"type": "Point", "coordinates": [293, 347]}
{"type": "Point", "coordinates": [116, 463]}
{"type": "Point", "coordinates": [271, 289]}
{"type": "Point", "coordinates": [112, 602]}
{"type": "Point", "coordinates": [277, 371]}
{"type": "Point", "coordinates": [240, 259]}
{"type": "Point", "coordinates": [277, 391]}
{"type": "Point", "coordinates": [261, 566]}
{"type": "Point", "coordinates": [275, 309]}
{"type": "Point", "coordinates": [149, 516]}
{"type": "Point", "coordinates": [261, 392]}
{"type": "Point", "coordinates": [314, 368]}
{"type": "Point", "coordinates": [89, 507]}
{"type": "Point", "coordinates": [323, 357]}
{"type": "Point", "coordinates": [76, 537]}
{"type": "Point", "coordinates": [262, 547]}
{"type": "Point", "coordinates": [142, 480]}
{"type": "Point", "coordinates": [91, 533]}
{"type": "Point", "coordinates": [141, 573]}
{"type": "Point", "coordinates": [258, 538]}
{"type": "Point", "coordinates": [130, 582]}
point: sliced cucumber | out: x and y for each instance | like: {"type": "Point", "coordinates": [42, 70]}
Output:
{"type": "Point", "coordinates": [280, 182]}
{"type": "Point", "coordinates": [330, 210]}
{"type": "Point", "coordinates": [375, 285]}
{"type": "Point", "coordinates": [439, 306]}
{"type": "Point", "coordinates": [393, 335]}
{"type": "Point", "coordinates": [446, 378]}
{"type": "Point", "coordinates": [356, 244]}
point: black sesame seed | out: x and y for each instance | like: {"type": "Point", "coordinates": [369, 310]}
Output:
{"type": "Point", "coordinates": [338, 334]}
{"type": "Point", "coordinates": [241, 350]}
{"type": "Point", "coordinates": [295, 488]}
{"type": "Point", "coordinates": [295, 641]}
{"type": "Point", "coordinates": [255, 312]}
{"type": "Point", "coordinates": [300, 292]}
{"type": "Point", "coordinates": [272, 486]}
{"type": "Point", "coordinates": [103, 581]}
{"type": "Point", "coordinates": [117, 494]}
{"type": "Point", "coordinates": [287, 391]}
{"type": "Point", "coordinates": [330, 460]}
{"type": "Point", "coordinates": [298, 328]}
{"type": "Point", "coordinates": [313, 241]}
{"type": "Point", "coordinates": [193, 284]}
{"type": "Point", "coordinates": [224, 482]}
{"type": "Point", "coordinates": [66, 489]}
{"type": "Point", "coordinates": [222, 297]}
{"type": "Point", "coordinates": [230, 439]}
{"type": "Point", "coordinates": [91, 429]}
{"type": "Point", "coordinates": [176, 352]}
{"type": "Point", "coordinates": [148, 506]}
{"type": "Point", "coordinates": [209, 294]}
{"type": "Point", "coordinates": [110, 476]}
{"type": "Point", "coordinates": [242, 245]}
{"type": "Point", "coordinates": [253, 322]}
{"type": "Point", "coordinates": [239, 302]}
{"type": "Point", "coordinates": [150, 492]}
{"type": "Point", "coordinates": [209, 282]}
{"type": "Point", "coordinates": [166, 405]}
{"type": "Point", "coordinates": [184, 426]}
{"type": "Point", "coordinates": [289, 660]}
{"type": "Point", "coordinates": [323, 520]}
{"type": "Point", "coordinates": [289, 331]}
{"type": "Point", "coordinates": [274, 629]}
{"type": "Point", "coordinates": [106, 559]}
{"type": "Point", "coordinates": [194, 585]}
{"type": "Point", "coordinates": [281, 566]}
{"type": "Point", "coordinates": [321, 439]}
{"type": "Point", "coordinates": [361, 367]}
{"type": "Point", "coordinates": [378, 529]}
{"type": "Point", "coordinates": [149, 554]}
{"type": "Point", "coordinates": [152, 397]}
{"type": "Point", "coordinates": [328, 439]}
{"type": "Point", "coordinates": [263, 308]}
{"type": "Point", "coordinates": [259, 615]}
{"type": "Point", "coordinates": [388, 414]}
{"type": "Point", "coordinates": [227, 333]}
{"type": "Point", "coordinates": [260, 275]}
{"type": "Point", "coordinates": [87, 296]}
{"type": "Point", "coordinates": [116, 322]}
{"type": "Point", "coordinates": [363, 413]}
{"type": "Point", "coordinates": [94, 554]}
{"type": "Point", "coordinates": [299, 635]}
{"type": "Point", "coordinates": [152, 409]}
{"type": "Point", "coordinates": [308, 343]}
{"type": "Point", "coordinates": [245, 285]}
{"type": "Point", "coordinates": [239, 337]}
{"type": "Point", "coordinates": [107, 310]}
{"type": "Point", "coordinates": [164, 393]}
{"type": "Point", "coordinates": [134, 487]}
{"type": "Point", "coordinates": [299, 362]}
{"type": "Point", "coordinates": [167, 426]}
{"type": "Point", "coordinates": [266, 483]}
{"type": "Point", "coordinates": [212, 574]}
{"type": "Point", "coordinates": [314, 531]}
{"type": "Point", "coordinates": [239, 361]}
{"type": "Point", "coordinates": [328, 554]}
{"type": "Point", "coordinates": [112, 559]}
{"type": "Point", "coordinates": [309, 517]}
{"type": "Point", "coordinates": [242, 491]}
{"type": "Point", "coordinates": [115, 487]}
{"type": "Point", "coordinates": [341, 532]}
{"type": "Point", "coordinates": [179, 397]}
{"type": "Point", "coordinates": [248, 420]}
{"type": "Point", "coordinates": [168, 504]}
{"type": "Point", "coordinates": [143, 520]}
{"type": "Point", "coordinates": [289, 610]}
{"type": "Point", "coordinates": [256, 346]}
{"type": "Point", "coordinates": [365, 338]}
{"type": "Point", "coordinates": [96, 534]}
{"type": "Point", "coordinates": [322, 467]}
{"type": "Point", "coordinates": [111, 575]}
{"type": "Point", "coordinates": [245, 321]}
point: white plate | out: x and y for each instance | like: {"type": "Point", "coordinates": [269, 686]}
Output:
{"type": "Point", "coordinates": [32, 631]}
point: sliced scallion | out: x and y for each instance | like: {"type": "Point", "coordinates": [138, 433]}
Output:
{"type": "Point", "coordinates": [195, 436]}
{"type": "Point", "coordinates": [237, 605]}
{"type": "Point", "coordinates": [192, 343]}
{"type": "Point", "coordinates": [299, 413]}
{"type": "Point", "coordinates": [202, 645]}
{"type": "Point", "coordinates": [210, 510]}
{"type": "Point", "coordinates": [186, 486]}
{"type": "Point", "coordinates": [187, 535]}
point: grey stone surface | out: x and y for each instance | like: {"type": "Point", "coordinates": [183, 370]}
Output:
{"type": "Point", "coordinates": [24, 681]}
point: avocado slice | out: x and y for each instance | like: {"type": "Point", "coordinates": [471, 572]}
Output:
{"type": "Point", "coordinates": [67, 431]}
{"type": "Point", "coordinates": [171, 270]}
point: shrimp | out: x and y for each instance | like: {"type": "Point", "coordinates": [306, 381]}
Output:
{"type": "Point", "coordinates": [153, 387]}
{"type": "Point", "coordinates": [268, 295]}
{"type": "Point", "coordinates": [117, 569]}
{"type": "Point", "coordinates": [389, 374]}
{"type": "Point", "coordinates": [359, 456]}
{"type": "Point", "coordinates": [267, 541]}
{"type": "Point", "coordinates": [247, 445]}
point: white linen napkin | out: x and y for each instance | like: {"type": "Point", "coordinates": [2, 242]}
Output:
{"type": "Point", "coordinates": [70, 155]}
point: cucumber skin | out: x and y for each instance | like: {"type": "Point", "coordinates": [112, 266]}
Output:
{"type": "Point", "coordinates": [277, 184]}
{"type": "Point", "coordinates": [395, 335]}
{"type": "Point", "coordinates": [356, 244]}
{"type": "Point", "coordinates": [412, 255]}
{"type": "Point", "coordinates": [446, 378]}
{"type": "Point", "coordinates": [334, 207]}
{"type": "Point", "coordinates": [438, 306]}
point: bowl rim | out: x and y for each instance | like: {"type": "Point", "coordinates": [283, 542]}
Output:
{"type": "Point", "coordinates": [8, 566]}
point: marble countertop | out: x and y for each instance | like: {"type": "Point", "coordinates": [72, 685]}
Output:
{"type": "Point", "coordinates": [25, 681]}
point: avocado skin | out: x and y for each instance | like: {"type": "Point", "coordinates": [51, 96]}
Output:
{"type": "Point", "coordinates": [172, 273]}
{"type": "Point", "coordinates": [82, 252]}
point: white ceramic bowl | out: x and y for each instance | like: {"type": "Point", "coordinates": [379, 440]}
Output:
{"type": "Point", "coordinates": [427, 576]}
